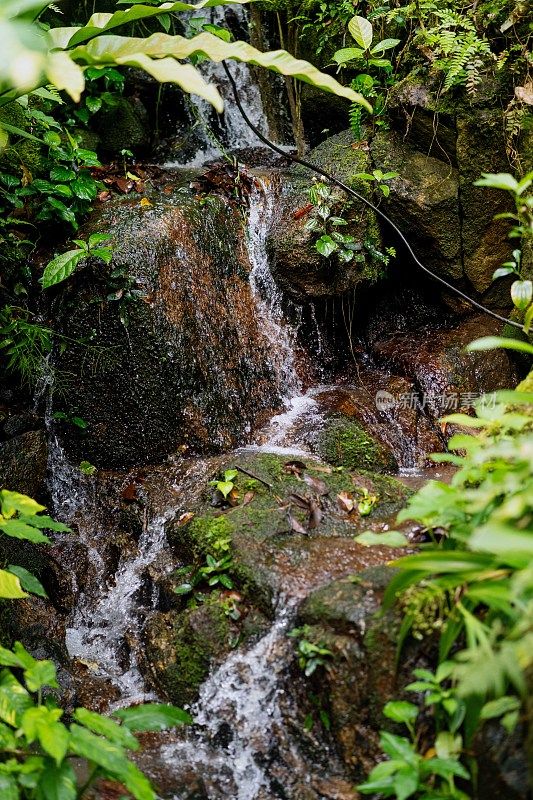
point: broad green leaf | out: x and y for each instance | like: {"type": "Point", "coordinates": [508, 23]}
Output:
{"type": "Point", "coordinates": [347, 54]}
{"type": "Point", "coordinates": [65, 74]}
{"type": "Point", "coordinates": [8, 787]}
{"type": "Point", "coordinates": [385, 44]}
{"type": "Point", "coordinates": [361, 30]}
{"type": "Point", "coordinates": [152, 717]}
{"type": "Point", "coordinates": [326, 246]}
{"type": "Point", "coordinates": [45, 522]}
{"type": "Point", "coordinates": [401, 711]}
{"type": "Point", "coordinates": [503, 539]}
{"type": "Point", "coordinates": [42, 723]}
{"type": "Point", "coordinates": [444, 561]}
{"type": "Point", "coordinates": [501, 180]}
{"type": "Point", "coordinates": [522, 294]}
{"type": "Point", "coordinates": [496, 708]}
{"type": "Point", "coordinates": [61, 173]}
{"type": "Point", "coordinates": [112, 758]}
{"type": "Point", "coordinates": [19, 132]}
{"type": "Point", "coordinates": [100, 23]}
{"type": "Point", "coordinates": [494, 342]}
{"type": "Point", "coordinates": [58, 782]}
{"type": "Point", "coordinates": [98, 238]}
{"type": "Point", "coordinates": [107, 727]}
{"type": "Point", "coordinates": [84, 187]}
{"type": "Point", "coordinates": [41, 673]}
{"type": "Point", "coordinates": [20, 530]}
{"type": "Point", "coordinates": [14, 501]}
{"type": "Point", "coordinates": [387, 539]}
{"type": "Point", "coordinates": [10, 587]}
{"type": "Point", "coordinates": [122, 50]}
{"type": "Point", "coordinates": [224, 487]}
{"type": "Point", "coordinates": [28, 581]}
{"type": "Point", "coordinates": [14, 699]}
{"type": "Point", "coordinates": [502, 272]}
{"type": "Point", "coordinates": [61, 267]}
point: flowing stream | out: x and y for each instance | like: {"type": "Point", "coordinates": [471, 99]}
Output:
{"type": "Point", "coordinates": [241, 737]}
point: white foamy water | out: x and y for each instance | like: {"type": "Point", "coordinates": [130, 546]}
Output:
{"type": "Point", "coordinates": [98, 633]}
{"type": "Point", "coordinates": [239, 723]}
{"type": "Point", "coordinates": [267, 295]}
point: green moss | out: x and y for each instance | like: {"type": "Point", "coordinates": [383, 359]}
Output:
{"type": "Point", "coordinates": [208, 534]}
{"type": "Point", "coordinates": [201, 635]}
{"type": "Point", "coordinates": [20, 151]}
{"type": "Point", "coordinates": [345, 443]}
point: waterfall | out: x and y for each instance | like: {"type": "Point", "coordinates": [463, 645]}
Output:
{"type": "Point", "coordinates": [239, 723]}
{"type": "Point", "coordinates": [279, 333]}
{"type": "Point", "coordinates": [234, 132]}
{"type": "Point", "coordinates": [98, 633]}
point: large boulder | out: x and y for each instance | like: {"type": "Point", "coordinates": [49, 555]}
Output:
{"type": "Point", "coordinates": [296, 265]}
{"type": "Point", "coordinates": [468, 138]}
{"type": "Point", "coordinates": [165, 350]}
{"type": "Point", "coordinates": [288, 533]}
{"type": "Point", "coordinates": [423, 202]}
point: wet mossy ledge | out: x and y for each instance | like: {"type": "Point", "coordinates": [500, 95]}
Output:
{"type": "Point", "coordinates": [275, 549]}
{"type": "Point", "coordinates": [345, 443]}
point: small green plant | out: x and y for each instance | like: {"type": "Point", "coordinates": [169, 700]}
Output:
{"type": "Point", "coordinates": [214, 573]}
{"type": "Point", "coordinates": [367, 54]}
{"type": "Point", "coordinates": [326, 223]}
{"type": "Point", "coordinates": [71, 419]}
{"type": "Point", "coordinates": [37, 746]}
{"type": "Point", "coordinates": [62, 266]}
{"type": "Point", "coordinates": [410, 772]}
{"type": "Point", "coordinates": [24, 342]}
{"type": "Point", "coordinates": [378, 178]}
{"type": "Point", "coordinates": [22, 518]}
{"type": "Point", "coordinates": [226, 485]}
{"type": "Point", "coordinates": [310, 655]}
{"type": "Point", "coordinates": [86, 468]}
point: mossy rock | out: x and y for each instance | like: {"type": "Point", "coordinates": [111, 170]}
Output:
{"type": "Point", "coordinates": [296, 265]}
{"type": "Point", "coordinates": [182, 648]}
{"type": "Point", "coordinates": [344, 442]}
{"type": "Point", "coordinates": [273, 546]}
{"type": "Point", "coordinates": [20, 151]}
{"type": "Point", "coordinates": [123, 126]}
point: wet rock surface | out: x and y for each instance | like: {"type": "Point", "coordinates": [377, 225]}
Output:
{"type": "Point", "coordinates": [297, 267]}
{"type": "Point", "coordinates": [183, 352]}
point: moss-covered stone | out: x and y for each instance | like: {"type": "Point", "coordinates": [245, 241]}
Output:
{"type": "Point", "coordinates": [296, 265]}
{"type": "Point", "coordinates": [271, 553]}
{"type": "Point", "coordinates": [193, 368]}
{"type": "Point", "coordinates": [123, 126]}
{"type": "Point", "coordinates": [20, 151]}
{"type": "Point", "coordinates": [345, 443]}
{"type": "Point", "coordinates": [180, 648]}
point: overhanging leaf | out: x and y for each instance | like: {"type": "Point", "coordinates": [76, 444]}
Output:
{"type": "Point", "coordinates": [118, 49]}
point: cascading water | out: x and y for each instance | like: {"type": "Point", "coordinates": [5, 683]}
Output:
{"type": "Point", "coordinates": [268, 297]}
{"type": "Point", "coordinates": [239, 725]}
{"type": "Point", "coordinates": [234, 132]}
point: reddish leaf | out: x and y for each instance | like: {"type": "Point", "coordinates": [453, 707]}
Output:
{"type": "Point", "coordinates": [345, 501]}
{"type": "Point", "coordinates": [315, 515]}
